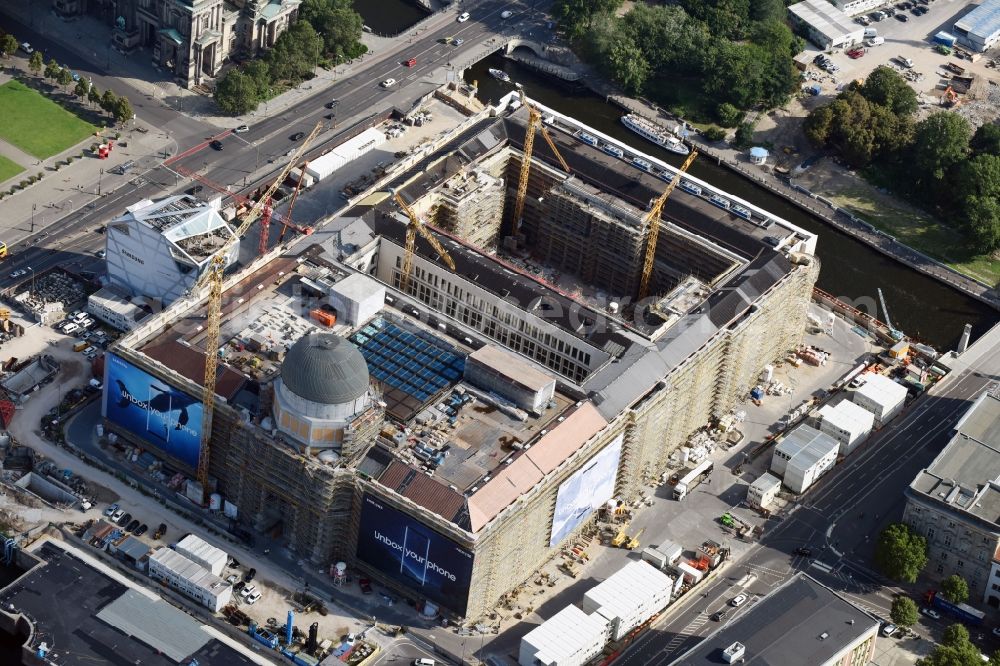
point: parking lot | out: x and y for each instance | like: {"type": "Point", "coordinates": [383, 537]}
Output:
{"type": "Point", "coordinates": [912, 39]}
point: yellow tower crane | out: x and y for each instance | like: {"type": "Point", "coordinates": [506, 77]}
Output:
{"type": "Point", "coordinates": [213, 309]}
{"type": "Point", "coordinates": [534, 124]}
{"type": "Point", "coordinates": [412, 228]}
{"type": "Point", "coordinates": [653, 221]}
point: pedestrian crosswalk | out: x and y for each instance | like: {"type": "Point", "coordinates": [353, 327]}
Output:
{"type": "Point", "coordinates": [685, 633]}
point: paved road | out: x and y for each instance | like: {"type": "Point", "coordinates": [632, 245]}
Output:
{"type": "Point", "coordinates": [830, 520]}
{"type": "Point", "coordinates": [237, 164]}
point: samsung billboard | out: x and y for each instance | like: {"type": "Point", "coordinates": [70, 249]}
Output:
{"type": "Point", "coordinates": [585, 491]}
{"type": "Point", "coordinates": [411, 553]}
{"type": "Point", "coordinates": [152, 410]}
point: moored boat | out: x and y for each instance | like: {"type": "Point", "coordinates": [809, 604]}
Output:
{"type": "Point", "coordinates": [650, 131]}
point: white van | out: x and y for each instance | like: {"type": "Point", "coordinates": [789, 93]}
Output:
{"type": "Point", "coordinates": [871, 32]}
{"type": "Point", "coordinates": [905, 62]}
{"type": "Point", "coordinates": [875, 41]}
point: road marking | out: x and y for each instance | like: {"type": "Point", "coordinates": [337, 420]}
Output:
{"type": "Point", "coordinates": [822, 566]}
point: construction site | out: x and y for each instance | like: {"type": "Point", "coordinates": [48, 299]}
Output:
{"type": "Point", "coordinates": [447, 379]}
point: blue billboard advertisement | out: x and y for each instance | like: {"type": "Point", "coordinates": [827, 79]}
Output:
{"type": "Point", "coordinates": [586, 491]}
{"type": "Point", "coordinates": [411, 553]}
{"type": "Point", "coordinates": [152, 410]}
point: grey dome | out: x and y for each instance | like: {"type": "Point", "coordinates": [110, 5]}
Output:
{"type": "Point", "coordinates": [325, 368]}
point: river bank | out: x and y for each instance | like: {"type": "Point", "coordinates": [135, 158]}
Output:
{"type": "Point", "coordinates": [818, 206]}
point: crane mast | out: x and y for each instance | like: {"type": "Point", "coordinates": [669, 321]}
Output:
{"type": "Point", "coordinates": [213, 308]}
{"type": "Point", "coordinates": [534, 123]}
{"type": "Point", "coordinates": [653, 222]}
{"type": "Point", "coordinates": [415, 226]}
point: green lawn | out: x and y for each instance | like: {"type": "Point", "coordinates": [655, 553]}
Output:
{"type": "Point", "coordinates": [37, 125]}
{"type": "Point", "coordinates": [8, 168]}
{"type": "Point", "coordinates": [920, 231]}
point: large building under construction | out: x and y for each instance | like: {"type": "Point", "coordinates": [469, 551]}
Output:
{"type": "Point", "coordinates": [449, 437]}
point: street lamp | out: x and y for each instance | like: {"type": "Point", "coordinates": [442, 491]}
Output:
{"type": "Point", "coordinates": [33, 208]}
{"type": "Point", "coordinates": [99, 179]}
{"type": "Point", "coordinates": [32, 279]}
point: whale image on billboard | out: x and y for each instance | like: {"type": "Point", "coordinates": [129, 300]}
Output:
{"type": "Point", "coordinates": [164, 417]}
{"type": "Point", "coordinates": [585, 491]}
{"type": "Point", "coordinates": [413, 554]}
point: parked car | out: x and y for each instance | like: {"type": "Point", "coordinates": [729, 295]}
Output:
{"type": "Point", "coordinates": [240, 129]}
{"type": "Point", "coordinates": [297, 136]}
{"type": "Point", "coordinates": [117, 515]}
{"type": "Point", "coordinates": [111, 510]}
{"type": "Point", "coordinates": [160, 531]}
{"type": "Point", "coordinates": [70, 329]}
{"type": "Point", "coordinates": [249, 575]}
{"type": "Point", "coordinates": [247, 591]}
{"type": "Point", "coordinates": [232, 578]}
{"type": "Point", "coordinates": [132, 526]}
{"type": "Point", "coordinates": [142, 529]}
{"type": "Point", "coordinates": [463, 17]}
{"type": "Point", "coordinates": [902, 17]}
{"type": "Point", "coordinates": [124, 520]}
{"type": "Point", "coordinates": [252, 597]}
{"type": "Point", "coordinates": [238, 587]}
{"type": "Point", "coordinates": [366, 585]}
{"type": "Point", "coordinates": [388, 83]}
{"type": "Point", "coordinates": [931, 613]}
{"type": "Point", "coordinates": [738, 600]}
{"type": "Point", "coordinates": [27, 48]}
{"type": "Point", "coordinates": [888, 629]}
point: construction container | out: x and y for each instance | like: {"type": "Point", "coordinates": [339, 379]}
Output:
{"type": "Point", "coordinates": [945, 38]}
{"type": "Point", "coordinates": [691, 575]}
{"type": "Point", "coordinates": [654, 557]}
{"type": "Point", "coordinates": [324, 317]}
{"type": "Point", "coordinates": [900, 349]}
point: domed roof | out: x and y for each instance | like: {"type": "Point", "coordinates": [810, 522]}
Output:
{"type": "Point", "coordinates": [325, 368]}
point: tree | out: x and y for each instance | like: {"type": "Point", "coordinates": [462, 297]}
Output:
{"type": "Point", "coordinates": [36, 63]}
{"type": "Point", "coordinates": [628, 66]}
{"type": "Point", "coordinates": [296, 52]}
{"type": "Point", "coordinates": [81, 89]}
{"type": "Point", "coordinates": [259, 73]}
{"type": "Point", "coordinates": [8, 45]}
{"type": "Point", "coordinates": [236, 93]}
{"type": "Point", "coordinates": [940, 142]}
{"type": "Point", "coordinates": [986, 140]}
{"type": "Point", "coordinates": [123, 110]}
{"type": "Point", "coordinates": [955, 589]}
{"type": "Point", "coordinates": [577, 16]}
{"type": "Point", "coordinates": [65, 77]}
{"type": "Point", "coordinates": [52, 69]}
{"type": "Point", "coordinates": [955, 650]}
{"type": "Point", "coordinates": [109, 102]}
{"type": "Point", "coordinates": [904, 611]}
{"type": "Point", "coordinates": [886, 87]}
{"type": "Point", "coordinates": [93, 96]}
{"type": "Point", "coordinates": [982, 215]}
{"type": "Point", "coordinates": [901, 553]}
{"type": "Point", "coordinates": [728, 115]}
{"type": "Point", "coordinates": [744, 136]}
{"type": "Point", "coordinates": [339, 25]}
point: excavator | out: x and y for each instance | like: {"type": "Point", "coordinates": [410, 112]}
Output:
{"type": "Point", "coordinates": [633, 541]}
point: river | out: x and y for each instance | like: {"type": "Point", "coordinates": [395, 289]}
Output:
{"type": "Point", "coordinates": [921, 306]}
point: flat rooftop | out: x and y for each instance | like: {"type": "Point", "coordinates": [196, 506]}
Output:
{"type": "Point", "coordinates": [801, 622]}
{"type": "Point", "coordinates": [964, 476]}
{"type": "Point", "coordinates": [99, 620]}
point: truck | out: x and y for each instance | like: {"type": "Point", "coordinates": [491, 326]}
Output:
{"type": "Point", "coordinates": [692, 478]}
{"type": "Point", "coordinates": [962, 612]}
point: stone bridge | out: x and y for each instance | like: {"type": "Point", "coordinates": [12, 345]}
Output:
{"type": "Point", "coordinates": [555, 60]}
